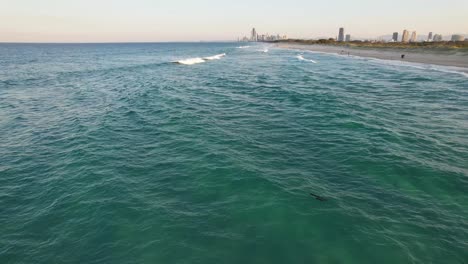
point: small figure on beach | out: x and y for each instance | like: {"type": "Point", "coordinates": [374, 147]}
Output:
{"type": "Point", "coordinates": [402, 56]}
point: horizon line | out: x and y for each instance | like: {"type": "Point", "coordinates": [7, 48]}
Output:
{"type": "Point", "coordinates": [114, 42]}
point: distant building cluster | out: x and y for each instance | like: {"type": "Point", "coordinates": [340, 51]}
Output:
{"type": "Point", "coordinates": [406, 37]}
{"type": "Point", "coordinates": [342, 37]}
{"type": "Point", "coordinates": [255, 37]}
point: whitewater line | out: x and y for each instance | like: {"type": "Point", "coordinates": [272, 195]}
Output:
{"type": "Point", "coordinates": [301, 58]}
{"type": "Point", "coordinates": [192, 61]}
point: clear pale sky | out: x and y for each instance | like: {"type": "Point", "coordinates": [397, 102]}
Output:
{"type": "Point", "coordinates": [184, 20]}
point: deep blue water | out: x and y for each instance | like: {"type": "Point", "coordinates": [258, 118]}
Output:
{"type": "Point", "coordinates": [113, 153]}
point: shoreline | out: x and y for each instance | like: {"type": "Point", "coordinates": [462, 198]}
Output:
{"type": "Point", "coordinates": [424, 56]}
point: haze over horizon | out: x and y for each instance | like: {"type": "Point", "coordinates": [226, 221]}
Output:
{"type": "Point", "coordinates": [181, 20]}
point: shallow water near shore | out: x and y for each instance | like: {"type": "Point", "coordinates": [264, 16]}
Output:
{"type": "Point", "coordinates": [114, 153]}
{"type": "Point", "coordinates": [446, 58]}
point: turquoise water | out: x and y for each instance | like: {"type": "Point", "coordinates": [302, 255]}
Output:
{"type": "Point", "coordinates": [113, 153]}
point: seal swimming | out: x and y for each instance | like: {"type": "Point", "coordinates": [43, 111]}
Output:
{"type": "Point", "coordinates": [320, 198]}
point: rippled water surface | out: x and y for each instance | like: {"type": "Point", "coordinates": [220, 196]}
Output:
{"type": "Point", "coordinates": [116, 153]}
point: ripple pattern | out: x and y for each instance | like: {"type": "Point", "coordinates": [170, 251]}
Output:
{"type": "Point", "coordinates": [109, 153]}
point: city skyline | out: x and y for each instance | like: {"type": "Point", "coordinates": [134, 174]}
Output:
{"type": "Point", "coordinates": [144, 20]}
{"type": "Point", "coordinates": [344, 37]}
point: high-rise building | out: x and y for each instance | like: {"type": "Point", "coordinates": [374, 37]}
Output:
{"type": "Point", "coordinates": [253, 35]}
{"type": "Point", "coordinates": [348, 38]}
{"type": "Point", "coordinates": [341, 36]}
{"type": "Point", "coordinates": [395, 37]}
{"type": "Point", "coordinates": [413, 36]}
{"type": "Point", "coordinates": [429, 37]}
{"type": "Point", "coordinates": [457, 37]}
{"type": "Point", "coordinates": [405, 36]}
{"type": "Point", "coordinates": [437, 38]}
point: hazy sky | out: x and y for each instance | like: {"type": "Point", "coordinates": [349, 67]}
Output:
{"type": "Point", "coordinates": [184, 20]}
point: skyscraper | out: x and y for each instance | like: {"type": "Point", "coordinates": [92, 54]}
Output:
{"type": "Point", "coordinates": [341, 36]}
{"type": "Point", "coordinates": [437, 38]}
{"type": "Point", "coordinates": [405, 36]}
{"type": "Point", "coordinates": [348, 38]}
{"type": "Point", "coordinates": [253, 35]}
{"type": "Point", "coordinates": [395, 37]}
{"type": "Point", "coordinates": [413, 37]}
{"type": "Point", "coordinates": [457, 37]}
{"type": "Point", "coordinates": [429, 37]}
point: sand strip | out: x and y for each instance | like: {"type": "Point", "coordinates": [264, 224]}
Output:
{"type": "Point", "coordinates": [426, 56]}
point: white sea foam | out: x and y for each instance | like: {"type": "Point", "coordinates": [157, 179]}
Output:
{"type": "Point", "coordinates": [192, 61]}
{"type": "Point", "coordinates": [416, 65]}
{"type": "Point", "coordinates": [448, 70]}
{"type": "Point", "coordinates": [243, 47]}
{"type": "Point", "coordinates": [215, 57]}
{"type": "Point", "coordinates": [397, 63]}
{"type": "Point", "coordinates": [301, 58]}
{"type": "Point", "coordinates": [264, 49]}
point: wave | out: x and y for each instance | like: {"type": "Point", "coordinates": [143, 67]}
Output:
{"type": "Point", "coordinates": [191, 61]}
{"type": "Point", "coordinates": [265, 50]}
{"type": "Point", "coordinates": [215, 57]}
{"type": "Point", "coordinates": [448, 70]}
{"type": "Point", "coordinates": [417, 65]}
{"type": "Point", "coordinates": [301, 58]}
{"type": "Point", "coordinates": [243, 47]}
{"type": "Point", "coordinates": [197, 60]}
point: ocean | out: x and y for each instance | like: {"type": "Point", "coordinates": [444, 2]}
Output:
{"type": "Point", "coordinates": [229, 153]}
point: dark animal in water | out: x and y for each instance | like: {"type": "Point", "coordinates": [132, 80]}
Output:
{"type": "Point", "coordinates": [402, 56]}
{"type": "Point", "coordinates": [320, 198]}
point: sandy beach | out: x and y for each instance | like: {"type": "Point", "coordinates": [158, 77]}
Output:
{"type": "Point", "coordinates": [450, 58]}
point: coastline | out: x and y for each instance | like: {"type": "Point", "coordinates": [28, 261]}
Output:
{"type": "Point", "coordinates": [424, 56]}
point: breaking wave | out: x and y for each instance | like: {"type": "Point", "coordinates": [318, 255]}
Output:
{"type": "Point", "coordinates": [243, 47]}
{"type": "Point", "coordinates": [192, 61]}
{"type": "Point", "coordinates": [215, 57]}
{"type": "Point", "coordinates": [416, 65]}
{"type": "Point", "coordinates": [301, 58]}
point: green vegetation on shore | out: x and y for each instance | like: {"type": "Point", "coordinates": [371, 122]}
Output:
{"type": "Point", "coordinates": [381, 44]}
